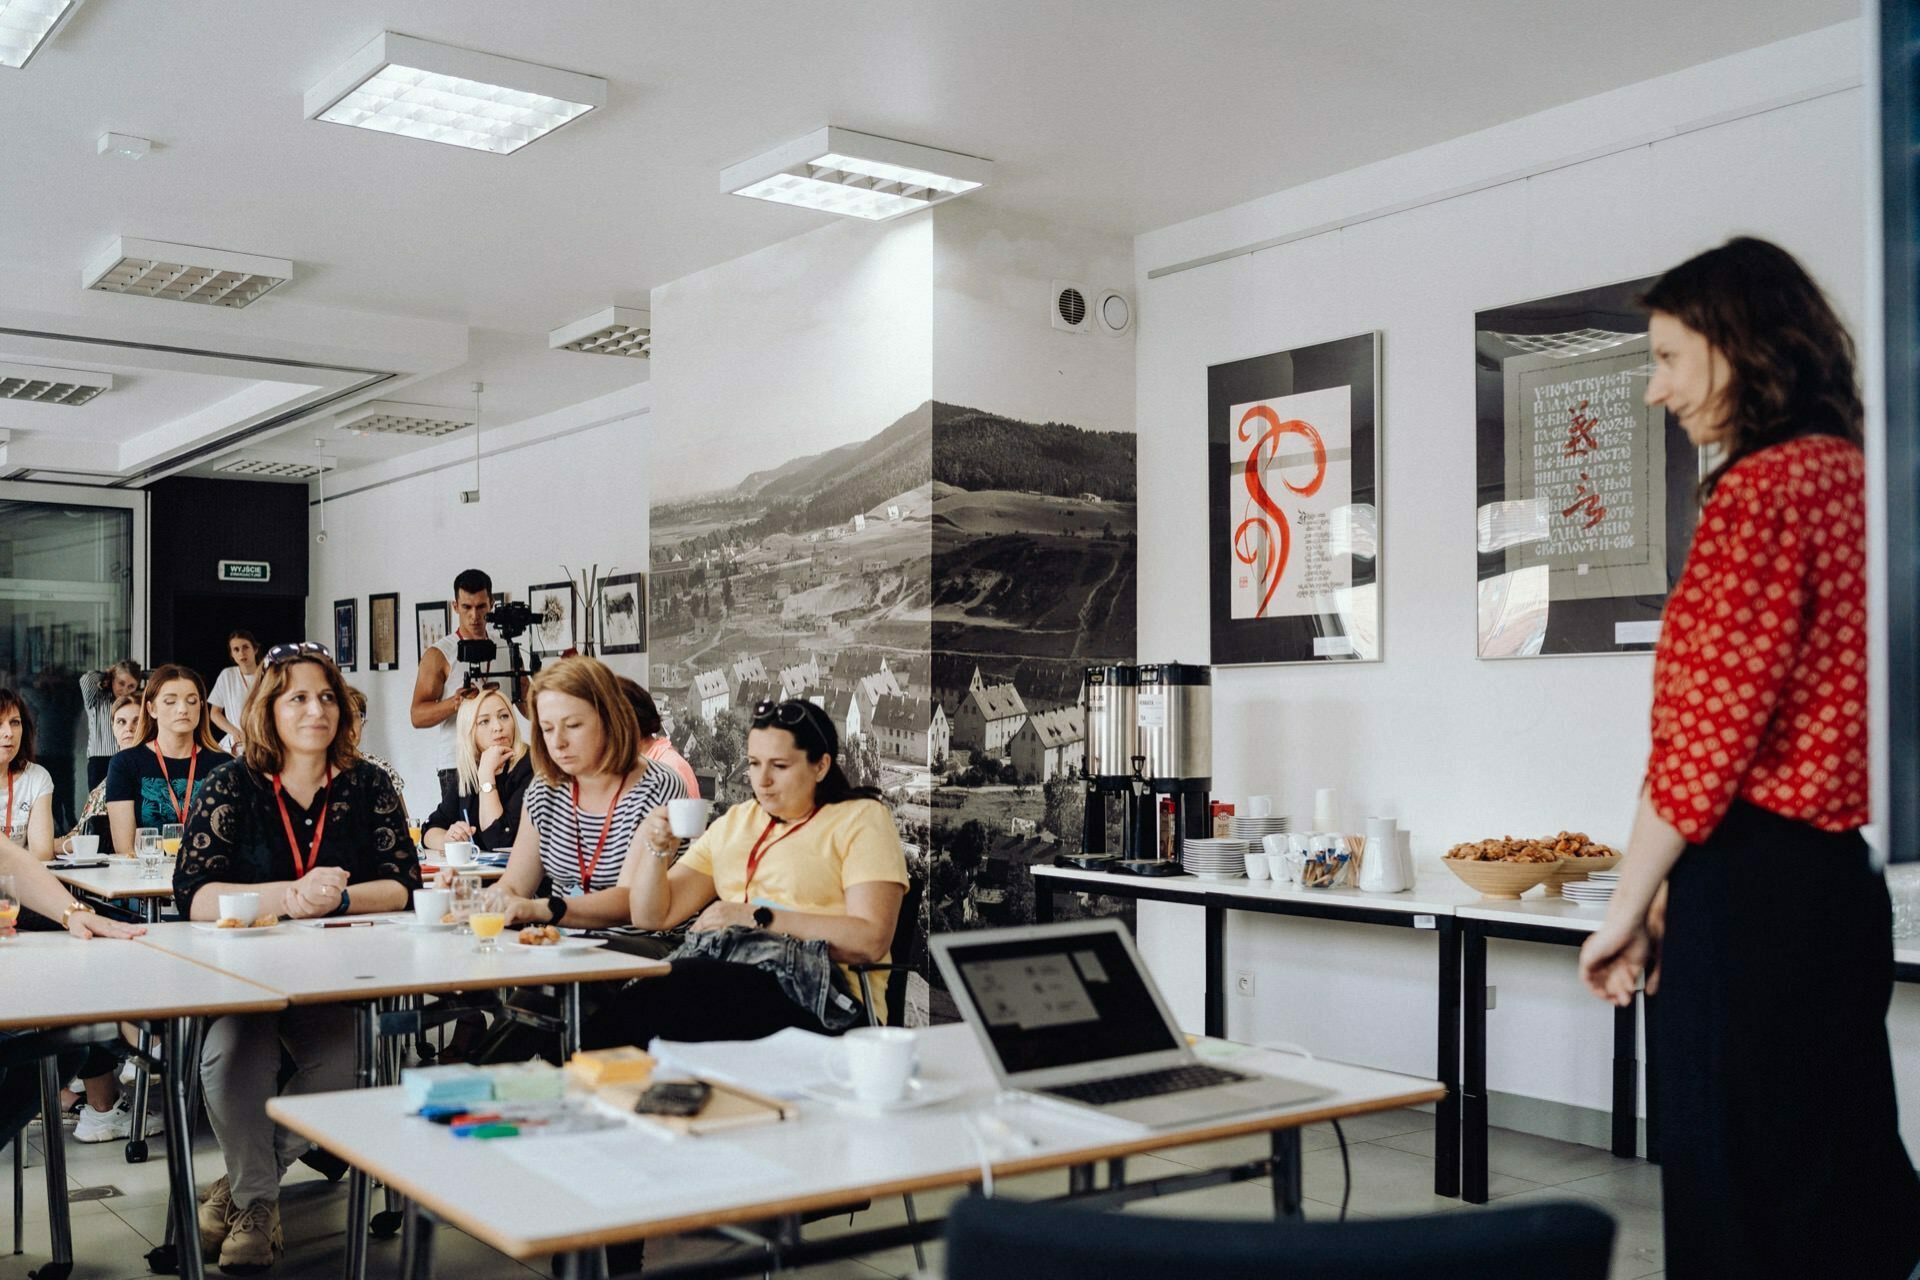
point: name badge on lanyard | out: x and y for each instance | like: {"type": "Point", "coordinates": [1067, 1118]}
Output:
{"type": "Point", "coordinates": [568, 888]}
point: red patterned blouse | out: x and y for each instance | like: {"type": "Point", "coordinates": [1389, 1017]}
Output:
{"type": "Point", "coordinates": [1760, 677]}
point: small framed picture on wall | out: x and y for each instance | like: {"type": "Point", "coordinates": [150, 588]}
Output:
{"type": "Point", "coordinates": [383, 632]}
{"type": "Point", "coordinates": [430, 627]}
{"type": "Point", "coordinates": [623, 613]}
{"type": "Point", "coordinates": [346, 625]}
{"type": "Point", "coordinates": [552, 605]}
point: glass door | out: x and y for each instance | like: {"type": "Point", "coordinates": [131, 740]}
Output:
{"type": "Point", "coordinates": [72, 601]}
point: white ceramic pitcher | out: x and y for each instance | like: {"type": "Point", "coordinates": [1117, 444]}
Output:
{"type": "Point", "coordinates": [1385, 866]}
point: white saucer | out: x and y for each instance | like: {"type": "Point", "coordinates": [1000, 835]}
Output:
{"type": "Point", "coordinates": [428, 926]}
{"type": "Point", "coordinates": [210, 926]}
{"type": "Point", "coordinates": [565, 944]}
{"type": "Point", "coordinates": [1220, 875]}
{"type": "Point", "coordinates": [920, 1093]}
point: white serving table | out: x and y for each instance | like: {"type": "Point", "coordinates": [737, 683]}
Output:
{"type": "Point", "coordinates": [593, 1190]}
{"type": "Point", "coordinates": [1430, 904]}
{"type": "Point", "coordinates": [368, 959]}
{"type": "Point", "coordinates": [53, 980]}
{"type": "Point", "coordinates": [122, 878]}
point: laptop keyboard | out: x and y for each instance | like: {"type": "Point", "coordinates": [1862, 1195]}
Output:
{"type": "Point", "coordinates": [1146, 1084]}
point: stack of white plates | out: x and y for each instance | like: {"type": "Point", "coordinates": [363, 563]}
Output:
{"type": "Point", "coordinates": [1595, 891]}
{"type": "Point", "coordinates": [1248, 828]}
{"type": "Point", "coordinates": [1216, 859]}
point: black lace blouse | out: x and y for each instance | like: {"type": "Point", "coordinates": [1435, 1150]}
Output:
{"type": "Point", "coordinates": [234, 834]}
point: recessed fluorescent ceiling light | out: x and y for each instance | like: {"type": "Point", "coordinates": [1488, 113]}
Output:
{"type": "Point", "coordinates": [418, 89]}
{"type": "Point", "coordinates": [856, 174]}
{"type": "Point", "coordinates": [274, 468]}
{"type": "Point", "coordinates": [184, 273]}
{"type": "Point", "coordinates": [391, 417]}
{"type": "Point", "coordinates": [617, 331]}
{"type": "Point", "coordinates": [25, 25]}
{"type": "Point", "coordinates": [51, 386]}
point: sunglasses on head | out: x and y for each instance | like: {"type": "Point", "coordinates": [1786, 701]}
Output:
{"type": "Point", "coordinates": [299, 649]}
{"type": "Point", "coordinates": [786, 714]}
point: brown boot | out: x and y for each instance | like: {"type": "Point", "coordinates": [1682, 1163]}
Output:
{"type": "Point", "coordinates": [254, 1242]}
{"type": "Point", "coordinates": [216, 1217]}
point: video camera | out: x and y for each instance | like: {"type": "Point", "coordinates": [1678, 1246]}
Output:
{"type": "Point", "coordinates": [511, 621]}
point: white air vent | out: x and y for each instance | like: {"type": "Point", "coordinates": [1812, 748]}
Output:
{"type": "Point", "coordinates": [391, 417]}
{"type": "Point", "coordinates": [275, 468]}
{"type": "Point", "coordinates": [1113, 312]}
{"type": "Point", "coordinates": [1069, 307]}
{"type": "Point", "coordinates": [51, 386]}
{"type": "Point", "coordinates": [185, 273]}
{"type": "Point", "coordinates": [616, 331]}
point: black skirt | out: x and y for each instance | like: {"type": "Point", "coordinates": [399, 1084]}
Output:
{"type": "Point", "coordinates": [1780, 1141]}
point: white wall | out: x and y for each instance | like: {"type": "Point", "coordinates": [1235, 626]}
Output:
{"type": "Point", "coordinates": [1455, 747]}
{"type": "Point", "coordinates": [572, 491]}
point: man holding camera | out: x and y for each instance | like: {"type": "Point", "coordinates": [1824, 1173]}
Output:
{"type": "Point", "coordinates": [434, 705]}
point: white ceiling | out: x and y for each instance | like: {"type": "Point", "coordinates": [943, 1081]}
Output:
{"type": "Point", "coordinates": [1114, 115]}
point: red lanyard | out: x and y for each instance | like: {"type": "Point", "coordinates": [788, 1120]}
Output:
{"type": "Point", "coordinates": [580, 842]}
{"type": "Point", "coordinates": [180, 807]}
{"type": "Point", "coordinates": [754, 858]}
{"type": "Point", "coordinates": [300, 868]}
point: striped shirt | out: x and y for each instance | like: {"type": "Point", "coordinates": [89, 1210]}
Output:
{"type": "Point", "coordinates": [568, 837]}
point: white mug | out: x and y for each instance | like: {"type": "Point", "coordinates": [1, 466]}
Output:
{"type": "Point", "coordinates": [432, 905]}
{"type": "Point", "coordinates": [1260, 806]}
{"type": "Point", "coordinates": [85, 846]}
{"type": "Point", "coordinates": [1257, 868]}
{"type": "Point", "coordinates": [1326, 806]}
{"type": "Point", "coordinates": [460, 853]}
{"type": "Point", "coordinates": [687, 818]}
{"type": "Point", "coordinates": [877, 1062]}
{"type": "Point", "coordinates": [240, 906]}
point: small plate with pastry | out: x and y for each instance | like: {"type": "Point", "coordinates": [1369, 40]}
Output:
{"type": "Point", "coordinates": [264, 924]}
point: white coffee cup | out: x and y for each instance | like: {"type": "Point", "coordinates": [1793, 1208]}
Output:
{"type": "Point", "coordinates": [1326, 806]}
{"type": "Point", "coordinates": [432, 905]}
{"type": "Point", "coordinates": [86, 846]}
{"type": "Point", "coordinates": [687, 818]}
{"type": "Point", "coordinates": [240, 906]}
{"type": "Point", "coordinates": [877, 1063]}
{"type": "Point", "coordinates": [460, 853]}
{"type": "Point", "coordinates": [1256, 866]}
{"type": "Point", "coordinates": [1259, 806]}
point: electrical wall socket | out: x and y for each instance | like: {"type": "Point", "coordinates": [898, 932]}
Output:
{"type": "Point", "coordinates": [1243, 982]}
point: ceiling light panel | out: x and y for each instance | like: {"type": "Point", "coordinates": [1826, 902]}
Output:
{"type": "Point", "coordinates": [856, 175]}
{"type": "Point", "coordinates": [26, 25]}
{"type": "Point", "coordinates": [616, 331]}
{"type": "Point", "coordinates": [274, 469]}
{"type": "Point", "coordinates": [185, 273]}
{"type": "Point", "coordinates": [51, 386]}
{"type": "Point", "coordinates": [418, 89]}
{"type": "Point", "coordinates": [391, 417]}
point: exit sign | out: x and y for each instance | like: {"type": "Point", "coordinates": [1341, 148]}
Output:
{"type": "Point", "coordinates": [245, 571]}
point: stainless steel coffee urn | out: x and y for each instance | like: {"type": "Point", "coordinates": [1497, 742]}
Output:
{"type": "Point", "coordinates": [1149, 734]}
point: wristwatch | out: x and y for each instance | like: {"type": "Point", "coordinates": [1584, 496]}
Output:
{"type": "Point", "coordinates": [346, 901]}
{"type": "Point", "coordinates": [73, 909]}
{"type": "Point", "coordinates": [763, 917]}
{"type": "Point", "coordinates": [556, 909]}
{"type": "Point", "coordinates": [486, 788]}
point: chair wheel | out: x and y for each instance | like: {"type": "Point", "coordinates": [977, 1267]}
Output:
{"type": "Point", "coordinates": [137, 1151]}
{"type": "Point", "coordinates": [385, 1224]}
{"type": "Point", "coordinates": [163, 1261]}
{"type": "Point", "coordinates": [52, 1271]}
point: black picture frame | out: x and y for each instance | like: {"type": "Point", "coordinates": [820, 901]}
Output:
{"type": "Point", "coordinates": [547, 636]}
{"type": "Point", "coordinates": [1251, 536]}
{"type": "Point", "coordinates": [346, 627]}
{"type": "Point", "coordinates": [626, 608]}
{"type": "Point", "coordinates": [383, 631]}
{"type": "Point", "coordinates": [425, 633]}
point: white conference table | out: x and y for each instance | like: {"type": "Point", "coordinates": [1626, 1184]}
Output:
{"type": "Point", "coordinates": [367, 959]}
{"type": "Point", "coordinates": [530, 1197]}
{"type": "Point", "coordinates": [121, 878]}
{"type": "Point", "coordinates": [54, 980]}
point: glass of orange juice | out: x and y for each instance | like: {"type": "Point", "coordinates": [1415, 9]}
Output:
{"type": "Point", "coordinates": [489, 918]}
{"type": "Point", "coordinates": [9, 908]}
{"type": "Point", "coordinates": [170, 838]}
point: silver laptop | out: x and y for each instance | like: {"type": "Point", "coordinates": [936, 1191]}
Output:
{"type": "Point", "coordinates": [1068, 1012]}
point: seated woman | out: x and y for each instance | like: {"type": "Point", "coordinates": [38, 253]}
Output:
{"type": "Point", "coordinates": [495, 768]}
{"type": "Point", "coordinates": [26, 821]}
{"type": "Point", "coordinates": [154, 784]}
{"type": "Point", "coordinates": [93, 816]}
{"type": "Point", "coordinates": [300, 819]}
{"type": "Point", "coordinates": [654, 743]}
{"type": "Point", "coordinates": [590, 791]}
{"type": "Point", "coordinates": [809, 856]}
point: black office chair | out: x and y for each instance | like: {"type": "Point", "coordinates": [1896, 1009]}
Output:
{"type": "Point", "coordinates": [906, 954]}
{"type": "Point", "coordinates": [995, 1239]}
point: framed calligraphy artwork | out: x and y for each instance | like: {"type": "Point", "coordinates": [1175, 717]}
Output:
{"type": "Point", "coordinates": [1584, 495]}
{"type": "Point", "coordinates": [1293, 462]}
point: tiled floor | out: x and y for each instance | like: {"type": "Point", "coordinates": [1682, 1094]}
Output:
{"type": "Point", "coordinates": [1390, 1156]}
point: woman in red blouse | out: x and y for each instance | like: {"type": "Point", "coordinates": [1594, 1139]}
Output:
{"type": "Point", "coordinates": [1747, 897]}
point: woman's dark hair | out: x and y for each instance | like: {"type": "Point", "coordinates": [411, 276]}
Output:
{"type": "Point", "coordinates": [813, 732]}
{"type": "Point", "coordinates": [643, 706]}
{"type": "Point", "coordinates": [248, 637]}
{"type": "Point", "coordinates": [1790, 358]}
{"type": "Point", "coordinates": [11, 701]}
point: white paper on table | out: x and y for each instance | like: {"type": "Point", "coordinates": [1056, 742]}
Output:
{"type": "Point", "coordinates": [785, 1064]}
{"type": "Point", "coordinates": [619, 1168]}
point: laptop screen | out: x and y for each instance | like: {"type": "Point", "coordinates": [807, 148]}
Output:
{"type": "Point", "coordinates": [1061, 1001]}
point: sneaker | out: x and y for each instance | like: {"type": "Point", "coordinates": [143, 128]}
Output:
{"type": "Point", "coordinates": [129, 1071]}
{"type": "Point", "coordinates": [107, 1126]}
{"type": "Point", "coordinates": [216, 1217]}
{"type": "Point", "coordinates": [253, 1242]}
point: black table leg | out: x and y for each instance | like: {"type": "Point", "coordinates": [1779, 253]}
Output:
{"type": "Point", "coordinates": [1043, 902]}
{"type": "Point", "coordinates": [416, 1244]}
{"type": "Point", "coordinates": [179, 1049]}
{"type": "Point", "coordinates": [1446, 1116]}
{"type": "Point", "coordinates": [1288, 1181]}
{"type": "Point", "coordinates": [1626, 1083]}
{"type": "Point", "coordinates": [359, 1184]}
{"type": "Point", "coordinates": [59, 1224]}
{"type": "Point", "coordinates": [1473, 1075]}
{"type": "Point", "coordinates": [1649, 1008]}
{"type": "Point", "coordinates": [1216, 972]}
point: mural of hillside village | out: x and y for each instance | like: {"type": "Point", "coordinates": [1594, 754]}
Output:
{"type": "Point", "coordinates": [939, 588]}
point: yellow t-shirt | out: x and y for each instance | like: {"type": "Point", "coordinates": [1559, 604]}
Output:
{"type": "Point", "coordinates": [852, 842]}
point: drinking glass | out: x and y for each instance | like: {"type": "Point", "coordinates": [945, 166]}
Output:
{"type": "Point", "coordinates": [413, 833]}
{"type": "Point", "coordinates": [466, 899]}
{"type": "Point", "coordinates": [147, 848]}
{"type": "Point", "coordinates": [170, 838]}
{"type": "Point", "coordinates": [141, 835]}
{"type": "Point", "coordinates": [489, 918]}
{"type": "Point", "coordinates": [9, 908]}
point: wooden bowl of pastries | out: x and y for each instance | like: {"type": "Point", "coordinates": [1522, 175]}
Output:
{"type": "Point", "coordinates": [1502, 869]}
{"type": "Point", "coordinates": [1579, 858]}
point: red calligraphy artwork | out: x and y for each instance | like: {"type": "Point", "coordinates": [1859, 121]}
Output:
{"type": "Point", "coordinates": [1263, 539]}
{"type": "Point", "coordinates": [1580, 425]}
{"type": "Point", "coordinates": [1588, 501]}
